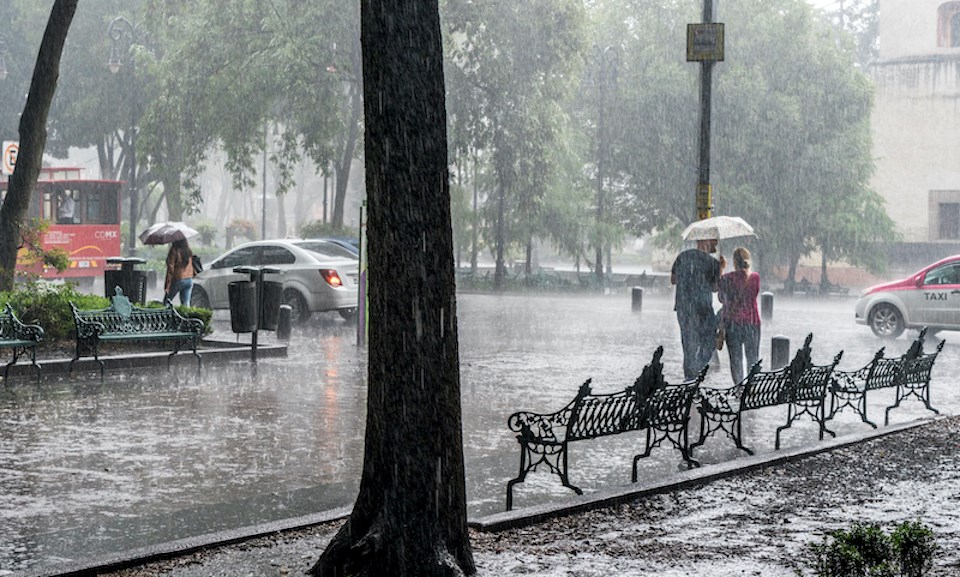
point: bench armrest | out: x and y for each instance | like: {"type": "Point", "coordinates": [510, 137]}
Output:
{"type": "Point", "coordinates": [717, 399]}
{"type": "Point", "coordinates": [185, 325]}
{"type": "Point", "coordinates": [21, 330]}
{"type": "Point", "coordinates": [539, 427]}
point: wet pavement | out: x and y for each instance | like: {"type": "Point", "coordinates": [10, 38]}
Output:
{"type": "Point", "coordinates": [149, 456]}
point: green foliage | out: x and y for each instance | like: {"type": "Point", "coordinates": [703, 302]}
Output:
{"type": "Point", "coordinates": [865, 550]}
{"type": "Point", "coordinates": [317, 229]}
{"type": "Point", "coordinates": [34, 253]}
{"type": "Point", "coordinates": [208, 232]}
{"type": "Point", "coordinates": [205, 315]}
{"type": "Point", "coordinates": [48, 305]}
{"type": "Point", "coordinates": [915, 547]}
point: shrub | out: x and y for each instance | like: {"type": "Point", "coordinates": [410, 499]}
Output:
{"type": "Point", "coordinates": [317, 229]}
{"type": "Point", "coordinates": [867, 551]}
{"type": "Point", "coordinates": [242, 228]}
{"type": "Point", "coordinates": [48, 305]}
{"type": "Point", "coordinates": [915, 547]}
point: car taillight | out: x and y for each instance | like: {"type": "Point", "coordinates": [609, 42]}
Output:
{"type": "Point", "coordinates": [332, 278]}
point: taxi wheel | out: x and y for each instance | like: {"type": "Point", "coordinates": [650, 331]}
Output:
{"type": "Point", "coordinates": [886, 321]}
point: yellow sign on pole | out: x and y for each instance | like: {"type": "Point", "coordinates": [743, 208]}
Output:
{"type": "Point", "coordinates": [704, 201]}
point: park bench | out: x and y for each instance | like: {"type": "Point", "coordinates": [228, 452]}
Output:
{"type": "Point", "coordinates": [650, 404]}
{"type": "Point", "coordinates": [800, 385]}
{"type": "Point", "coordinates": [20, 338]}
{"type": "Point", "coordinates": [908, 374]}
{"type": "Point", "coordinates": [125, 322]}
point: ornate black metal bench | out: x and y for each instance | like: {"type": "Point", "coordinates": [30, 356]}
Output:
{"type": "Point", "coordinates": [801, 385]}
{"type": "Point", "coordinates": [123, 321]}
{"type": "Point", "coordinates": [20, 338]}
{"type": "Point", "coordinates": [908, 373]}
{"type": "Point", "coordinates": [650, 403]}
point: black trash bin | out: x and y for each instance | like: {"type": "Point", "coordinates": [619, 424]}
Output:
{"type": "Point", "coordinates": [133, 283]}
{"type": "Point", "coordinates": [243, 306]}
{"type": "Point", "coordinates": [270, 312]}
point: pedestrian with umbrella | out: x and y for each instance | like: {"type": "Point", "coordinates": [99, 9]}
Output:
{"type": "Point", "coordinates": [180, 272]}
{"type": "Point", "coordinates": [696, 274]}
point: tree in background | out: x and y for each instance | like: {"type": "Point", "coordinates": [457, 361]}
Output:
{"type": "Point", "coordinates": [33, 137]}
{"type": "Point", "coordinates": [410, 516]}
{"type": "Point", "coordinates": [511, 66]}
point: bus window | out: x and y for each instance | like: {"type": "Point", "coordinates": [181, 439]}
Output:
{"type": "Point", "coordinates": [109, 204]}
{"type": "Point", "coordinates": [91, 213]}
{"type": "Point", "coordinates": [47, 209]}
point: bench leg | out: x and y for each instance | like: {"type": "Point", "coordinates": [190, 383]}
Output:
{"type": "Point", "coordinates": [738, 438]}
{"type": "Point", "coordinates": [33, 361]}
{"type": "Point", "coordinates": [520, 477]}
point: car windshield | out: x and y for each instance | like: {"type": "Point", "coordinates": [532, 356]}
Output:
{"type": "Point", "coordinates": [326, 249]}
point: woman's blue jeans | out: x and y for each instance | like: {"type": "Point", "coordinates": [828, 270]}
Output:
{"type": "Point", "coordinates": [183, 287]}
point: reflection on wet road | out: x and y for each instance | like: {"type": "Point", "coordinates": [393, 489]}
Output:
{"type": "Point", "coordinates": [148, 457]}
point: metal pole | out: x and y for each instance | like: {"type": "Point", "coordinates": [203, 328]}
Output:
{"type": "Point", "coordinates": [706, 81]}
{"type": "Point", "coordinates": [263, 207]}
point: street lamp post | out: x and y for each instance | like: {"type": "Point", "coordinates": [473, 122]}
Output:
{"type": "Point", "coordinates": [3, 59]}
{"type": "Point", "coordinates": [124, 35]}
{"type": "Point", "coordinates": [606, 66]}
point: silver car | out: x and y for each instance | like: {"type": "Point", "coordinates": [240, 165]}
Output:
{"type": "Point", "coordinates": [316, 275]}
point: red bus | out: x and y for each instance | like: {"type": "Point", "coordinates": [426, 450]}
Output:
{"type": "Point", "coordinates": [84, 217]}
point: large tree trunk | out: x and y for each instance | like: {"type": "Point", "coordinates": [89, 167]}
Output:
{"type": "Point", "coordinates": [33, 137]}
{"type": "Point", "coordinates": [410, 516]}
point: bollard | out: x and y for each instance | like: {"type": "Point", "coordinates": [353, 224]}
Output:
{"type": "Point", "coordinates": [283, 325]}
{"type": "Point", "coordinates": [637, 298]}
{"type": "Point", "coordinates": [779, 352]}
{"type": "Point", "coordinates": [766, 305]}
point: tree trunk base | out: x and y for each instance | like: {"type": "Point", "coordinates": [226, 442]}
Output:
{"type": "Point", "coordinates": [383, 550]}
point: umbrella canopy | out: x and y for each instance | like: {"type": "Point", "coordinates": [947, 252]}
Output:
{"type": "Point", "coordinates": [166, 232]}
{"type": "Point", "coordinates": [719, 228]}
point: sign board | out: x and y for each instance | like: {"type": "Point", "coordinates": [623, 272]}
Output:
{"type": "Point", "coordinates": [705, 42]}
{"type": "Point", "coordinates": [10, 151]}
{"type": "Point", "coordinates": [704, 201]}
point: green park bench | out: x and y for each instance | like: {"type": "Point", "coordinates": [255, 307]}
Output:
{"type": "Point", "coordinates": [20, 338]}
{"type": "Point", "coordinates": [125, 322]}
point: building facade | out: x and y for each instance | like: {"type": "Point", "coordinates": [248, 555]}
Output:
{"type": "Point", "coordinates": [916, 122]}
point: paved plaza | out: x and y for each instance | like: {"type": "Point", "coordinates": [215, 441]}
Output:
{"type": "Point", "coordinates": [148, 456]}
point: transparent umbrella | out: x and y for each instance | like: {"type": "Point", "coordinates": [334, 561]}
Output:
{"type": "Point", "coordinates": [719, 228]}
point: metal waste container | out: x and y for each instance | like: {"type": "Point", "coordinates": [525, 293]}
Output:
{"type": "Point", "coordinates": [132, 282]}
{"type": "Point", "coordinates": [243, 306]}
{"type": "Point", "coordinates": [270, 312]}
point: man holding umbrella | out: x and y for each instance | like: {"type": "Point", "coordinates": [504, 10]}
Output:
{"type": "Point", "coordinates": [697, 276]}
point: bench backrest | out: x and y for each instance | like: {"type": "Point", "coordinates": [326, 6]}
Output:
{"type": "Point", "coordinates": [813, 382]}
{"type": "Point", "coordinates": [669, 405]}
{"type": "Point", "coordinates": [598, 415]}
{"type": "Point", "coordinates": [916, 370]}
{"type": "Point", "coordinates": [123, 317]}
{"type": "Point", "coordinates": [765, 389]}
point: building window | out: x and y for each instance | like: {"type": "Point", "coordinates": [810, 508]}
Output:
{"type": "Point", "coordinates": [948, 25]}
{"type": "Point", "coordinates": [949, 221]}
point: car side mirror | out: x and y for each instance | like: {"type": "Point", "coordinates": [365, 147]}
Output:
{"type": "Point", "coordinates": [919, 281]}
